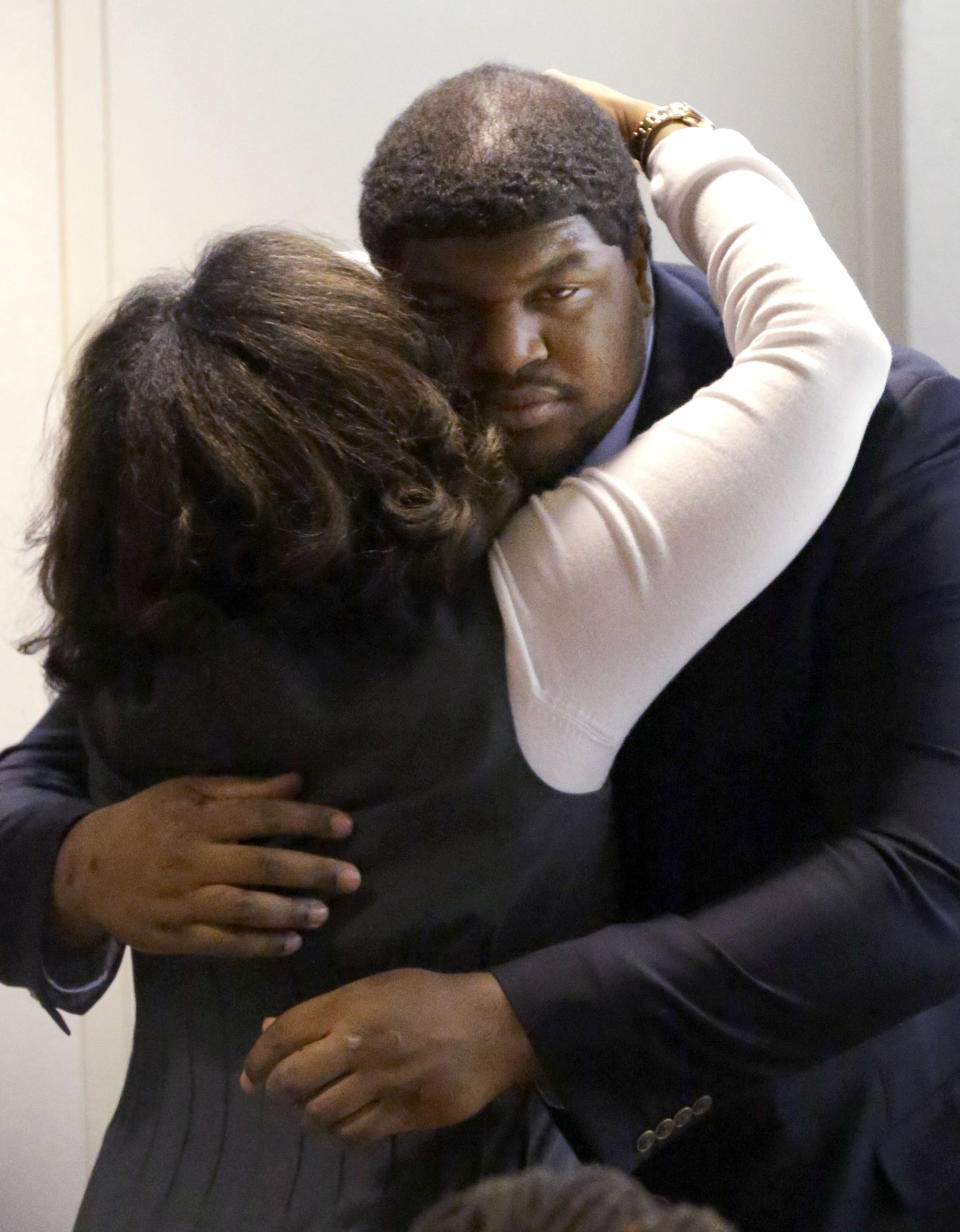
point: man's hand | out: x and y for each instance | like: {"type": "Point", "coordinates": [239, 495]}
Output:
{"type": "Point", "coordinates": [169, 870]}
{"type": "Point", "coordinates": [404, 1050]}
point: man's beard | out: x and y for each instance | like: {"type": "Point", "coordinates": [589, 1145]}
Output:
{"type": "Point", "coordinates": [534, 473]}
{"type": "Point", "coordinates": [537, 474]}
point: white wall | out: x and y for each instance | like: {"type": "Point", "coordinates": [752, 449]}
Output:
{"type": "Point", "coordinates": [41, 1076]}
{"type": "Point", "coordinates": [931, 114]}
{"type": "Point", "coordinates": [133, 129]}
{"type": "Point", "coordinates": [217, 121]}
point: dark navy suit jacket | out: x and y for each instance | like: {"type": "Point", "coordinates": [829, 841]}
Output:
{"type": "Point", "coordinates": [779, 1033]}
{"type": "Point", "coordinates": [774, 1028]}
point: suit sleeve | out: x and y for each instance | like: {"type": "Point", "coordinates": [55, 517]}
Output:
{"type": "Point", "coordinates": [43, 794]}
{"type": "Point", "coordinates": [863, 931]}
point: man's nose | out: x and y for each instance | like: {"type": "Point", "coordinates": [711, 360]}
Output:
{"type": "Point", "coordinates": [510, 337]}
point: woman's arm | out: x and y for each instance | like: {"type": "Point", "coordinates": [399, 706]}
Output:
{"type": "Point", "coordinates": [610, 583]}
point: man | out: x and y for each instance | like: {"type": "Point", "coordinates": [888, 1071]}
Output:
{"type": "Point", "coordinates": [775, 1034]}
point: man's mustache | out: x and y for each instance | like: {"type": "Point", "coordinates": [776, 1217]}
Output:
{"type": "Point", "coordinates": [523, 389]}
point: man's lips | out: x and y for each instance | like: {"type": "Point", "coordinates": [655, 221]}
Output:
{"type": "Point", "coordinates": [522, 409]}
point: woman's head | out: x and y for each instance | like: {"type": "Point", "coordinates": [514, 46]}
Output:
{"type": "Point", "coordinates": [265, 426]}
{"type": "Point", "coordinates": [591, 1199]}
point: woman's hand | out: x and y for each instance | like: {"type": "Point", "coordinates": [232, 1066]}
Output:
{"type": "Point", "coordinates": [403, 1050]}
{"type": "Point", "coordinates": [169, 870]}
{"type": "Point", "coordinates": [626, 112]}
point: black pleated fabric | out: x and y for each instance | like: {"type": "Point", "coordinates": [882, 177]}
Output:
{"type": "Point", "coordinates": [468, 859]}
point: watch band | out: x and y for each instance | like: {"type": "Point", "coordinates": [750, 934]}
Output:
{"type": "Point", "coordinates": [659, 117]}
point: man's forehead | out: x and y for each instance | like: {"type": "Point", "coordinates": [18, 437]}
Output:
{"type": "Point", "coordinates": [490, 264]}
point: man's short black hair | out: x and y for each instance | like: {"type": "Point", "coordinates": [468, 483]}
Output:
{"type": "Point", "coordinates": [495, 150]}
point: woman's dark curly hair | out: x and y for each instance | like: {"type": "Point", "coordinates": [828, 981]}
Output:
{"type": "Point", "coordinates": [591, 1199]}
{"type": "Point", "coordinates": [264, 428]}
{"type": "Point", "coordinates": [493, 150]}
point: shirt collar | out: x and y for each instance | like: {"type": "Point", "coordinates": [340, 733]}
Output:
{"type": "Point", "coordinates": [618, 436]}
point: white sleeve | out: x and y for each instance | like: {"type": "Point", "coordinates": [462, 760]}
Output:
{"type": "Point", "coordinates": [611, 582]}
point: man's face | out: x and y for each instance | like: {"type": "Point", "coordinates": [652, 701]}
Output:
{"type": "Point", "coordinates": [549, 327]}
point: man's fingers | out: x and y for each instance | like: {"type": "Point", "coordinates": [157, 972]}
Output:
{"type": "Point", "coordinates": [303, 1074]}
{"type": "Point", "coordinates": [270, 817]}
{"type": "Point", "coordinates": [299, 1026]}
{"type": "Point", "coordinates": [368, 1124]}
{"type": "Point", "coordinates": [233, 787]}
{"type": "Point", "coordinates": [231, 943]}
{"type": "Point", "coordinates": [338, 1104]}
{"type": "Point", "coordinates": [277, 866]}
{"type": "Point", "coordinates": [233, 907]}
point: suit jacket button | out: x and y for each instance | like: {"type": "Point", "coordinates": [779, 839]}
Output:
{"type": "Point", "coordinates": [702, 1106]}
{"type": "Point", "coordinates": [646, 1142]}
{"type": "Point", "coordinates": [682, 1116]}
{"type": "Point", "coordinates": [664, 1129]}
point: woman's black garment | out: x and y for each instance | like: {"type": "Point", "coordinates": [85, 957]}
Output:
{"type": "Point", "coordinates": [467, 858]}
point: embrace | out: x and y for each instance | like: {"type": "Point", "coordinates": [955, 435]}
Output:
{"type": "Point", "coordinates": [506, 700]}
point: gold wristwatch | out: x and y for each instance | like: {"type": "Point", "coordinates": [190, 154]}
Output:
{"type": "Point", "coordinates": [659, 117]}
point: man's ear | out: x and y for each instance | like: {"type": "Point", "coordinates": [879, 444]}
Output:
{"type": "Point", "coordinates": [639, 259]}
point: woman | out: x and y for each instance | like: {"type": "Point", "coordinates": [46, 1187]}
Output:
{"type": "Point", "coordinates": [591, 1199]}
{"type": "Point", "coordinates": [287, 524]}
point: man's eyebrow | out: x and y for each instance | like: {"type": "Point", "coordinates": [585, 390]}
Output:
{"type": "Point", "coordinates": [569, 263]}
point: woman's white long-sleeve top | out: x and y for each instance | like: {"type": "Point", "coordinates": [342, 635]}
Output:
{"type": "Point", "coordinates": [610, 582]}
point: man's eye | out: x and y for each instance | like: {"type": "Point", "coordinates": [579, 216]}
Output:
{"type": "Point", "coordinates": [556, 294]}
